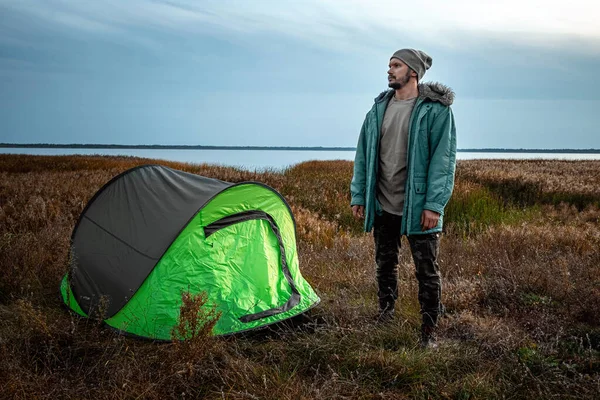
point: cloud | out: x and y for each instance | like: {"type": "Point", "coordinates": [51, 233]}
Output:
{"type": "Point", "coordinates": [483, 49]}
{"type": "Point", "coordinates": [59, 14]}
{"type": "Point", "coordinates": [342, 25]}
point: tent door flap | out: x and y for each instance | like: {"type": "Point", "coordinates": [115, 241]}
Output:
{"type": "Point", "coordinates": [247, 216]}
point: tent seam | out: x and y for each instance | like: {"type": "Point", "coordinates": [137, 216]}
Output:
{"type": "Point", "coordinates": [120, 240]}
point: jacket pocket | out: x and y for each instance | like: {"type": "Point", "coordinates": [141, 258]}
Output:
{"type": "Point", "coordinates": [417, 203]}
{"type": "Point", "coordinates": [420, 187]}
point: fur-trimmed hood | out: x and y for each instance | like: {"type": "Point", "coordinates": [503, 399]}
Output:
{"type": "Point", "coordinates": [433, 91]}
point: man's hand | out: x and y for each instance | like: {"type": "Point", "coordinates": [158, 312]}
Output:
{"type": "Point", "coordinates": [358, 212]}
{"type": "Point", "coordinates": [429, 220]}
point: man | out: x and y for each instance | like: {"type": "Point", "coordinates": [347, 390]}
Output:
{"type": "Point", "coordinates": [403, 178]}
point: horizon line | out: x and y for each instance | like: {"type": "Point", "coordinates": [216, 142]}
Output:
{"type": "Point", "coordinates": [253, 147]}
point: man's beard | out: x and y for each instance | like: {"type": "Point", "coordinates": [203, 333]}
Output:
{"type": "Point", "coordinates": [400, 84]}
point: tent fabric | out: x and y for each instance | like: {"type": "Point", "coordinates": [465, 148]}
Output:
{"type": "Point", "coordinates": [132, 221]}
{"type": "Point", "coordinates": [153, 233]}
{"type": "Point", "coordinates": [260, 215]}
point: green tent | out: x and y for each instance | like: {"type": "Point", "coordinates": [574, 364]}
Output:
{"type": "Point", "coordinates": [153, 233]}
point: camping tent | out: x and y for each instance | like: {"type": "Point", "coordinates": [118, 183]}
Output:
{"type": "Point", "coordinates": [154, 233]}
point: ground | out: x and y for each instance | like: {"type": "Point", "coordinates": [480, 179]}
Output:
{"type": "Point", "coordinates": [521, 273]}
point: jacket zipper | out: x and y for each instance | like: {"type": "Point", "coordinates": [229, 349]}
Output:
{"type": "Point", "coordinates": [406, 222]}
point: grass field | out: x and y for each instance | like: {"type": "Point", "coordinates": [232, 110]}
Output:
{"type": "Point", "coordinates": [520, 260]}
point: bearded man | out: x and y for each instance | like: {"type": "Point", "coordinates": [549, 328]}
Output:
{"type": "Point", "coordinates": [403, 179]}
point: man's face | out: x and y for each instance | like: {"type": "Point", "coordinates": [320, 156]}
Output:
{"type": "Point", "coordinates": [399, 74]}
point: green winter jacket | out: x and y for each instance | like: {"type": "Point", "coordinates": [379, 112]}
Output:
{"type": "Point", "coordinates": [431, 158]}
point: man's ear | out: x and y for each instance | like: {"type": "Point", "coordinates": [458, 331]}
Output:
{"type": "Point", "coordinates": [413, 73]}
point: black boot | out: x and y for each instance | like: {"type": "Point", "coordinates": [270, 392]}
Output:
{"type": "Point", "coordinates": [428, 337]}
{"type": "Point", "coordinates": [386, 313]}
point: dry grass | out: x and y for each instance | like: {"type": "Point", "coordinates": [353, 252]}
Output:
{"type": "Point", "coordinates": [521, 274]}
{"type": "Point", "coordinates": [529, 182]}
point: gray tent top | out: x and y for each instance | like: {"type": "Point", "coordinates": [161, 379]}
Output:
{"type": "Point", "coordinates": [136, 216]}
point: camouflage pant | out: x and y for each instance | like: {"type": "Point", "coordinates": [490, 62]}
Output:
{"type": "Point", "coordinates": [424, 249]}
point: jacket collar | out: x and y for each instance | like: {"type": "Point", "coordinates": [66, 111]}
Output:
{"type": "Point", "coordinates": [432, 91]}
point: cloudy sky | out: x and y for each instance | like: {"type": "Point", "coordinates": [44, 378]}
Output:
{"type": "Point", "coordinates": [292, 72]}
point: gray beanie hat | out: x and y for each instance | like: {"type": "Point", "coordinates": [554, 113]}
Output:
{"type": "Point", "coordinates": [417, 60]}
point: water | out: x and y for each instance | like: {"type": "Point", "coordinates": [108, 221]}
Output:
{"type": "Point", "coordinates": [267, 159]}
{"type": "Point", "coordinates": [528, 156]}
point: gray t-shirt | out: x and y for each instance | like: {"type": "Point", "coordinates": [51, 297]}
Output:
{"type": "Point", "coordinates": [393, 146]}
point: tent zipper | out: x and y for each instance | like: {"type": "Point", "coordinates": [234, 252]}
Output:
{"type": "Point", "coordinates": [234, 219]}
{"type": "Point", "coordinates": [224, 222]}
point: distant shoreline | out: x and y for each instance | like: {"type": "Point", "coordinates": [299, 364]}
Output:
{"type": "Point", "coordinates": [291, 148]}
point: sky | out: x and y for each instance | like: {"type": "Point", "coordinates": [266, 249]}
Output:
{"type": "Point", "coordinates": [291, 72]}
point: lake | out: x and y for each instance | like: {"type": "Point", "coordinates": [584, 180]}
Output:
{"type": "Point", "coordinates": [267, 159]}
